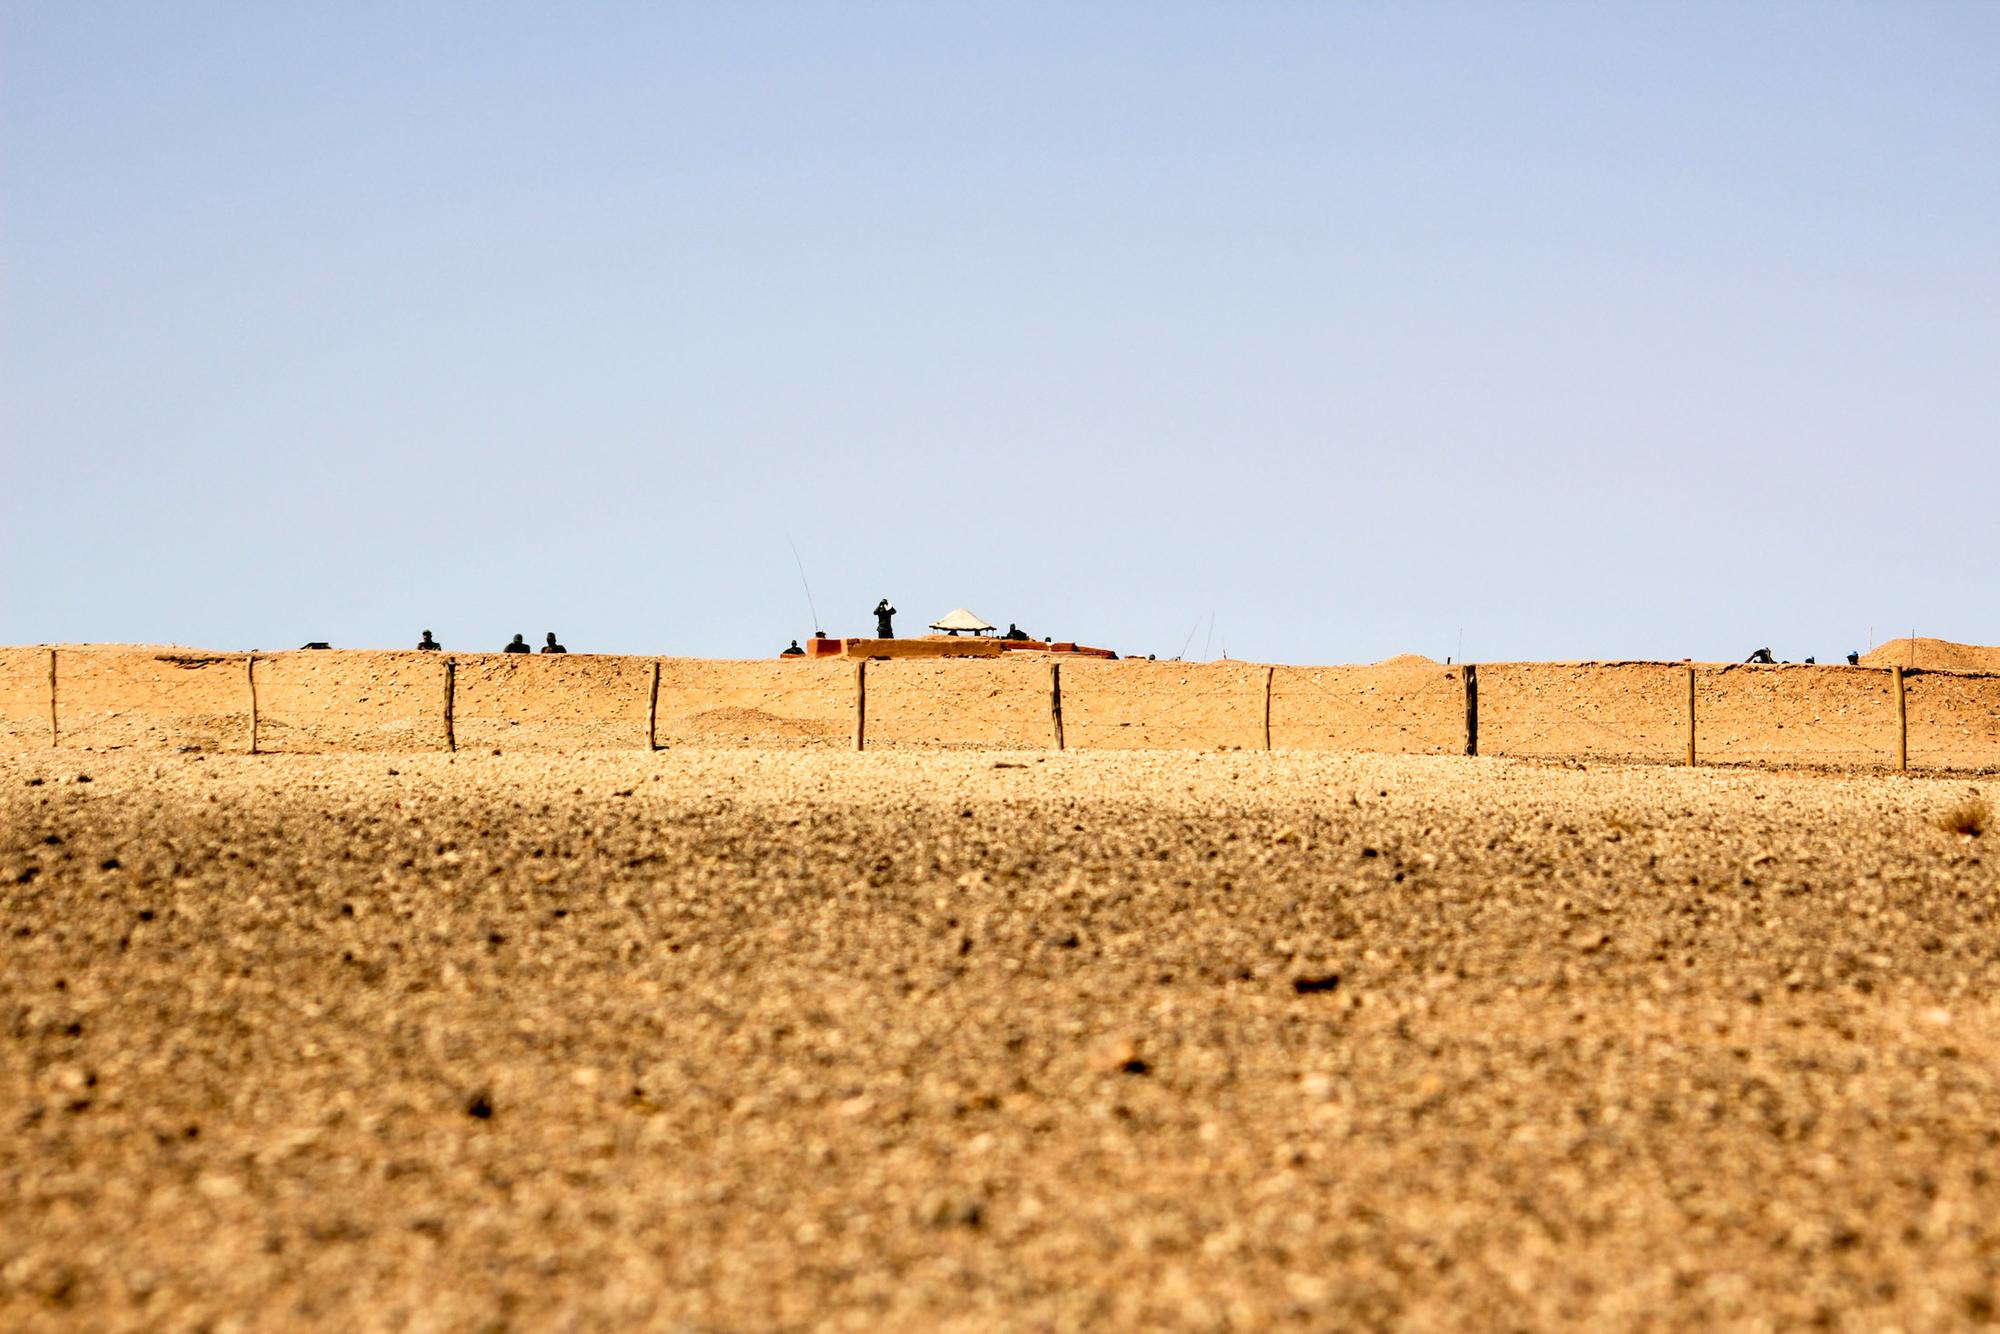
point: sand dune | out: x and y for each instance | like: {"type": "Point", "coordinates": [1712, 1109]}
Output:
{"type": "Point", "coordinates": [1937, 655]}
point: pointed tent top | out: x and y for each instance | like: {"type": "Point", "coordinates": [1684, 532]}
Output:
{"type": "Point", "coordinates": [960, 619]}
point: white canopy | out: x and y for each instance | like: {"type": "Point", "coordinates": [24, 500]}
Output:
{"type": "Point", "coordinates": [960, 619]}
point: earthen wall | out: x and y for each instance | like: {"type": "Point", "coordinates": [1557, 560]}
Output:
{"type": "Point", "coordinates": [573, 701]}
{"type": "Point", "coordinates": [1162, 705]}
{"type": "Point", "coordinates": [24, 697]}
{"type": "Point", "coordinates": [1954, 719]}
{"type": "Point", "coordinates": [390, 701]}
{"type": "Point", "coordinates": [150, 698]}
{"type": "Point", "coordinates": [993, 703]}
{"type": "Point", "coordinates": [1396, 709]}
{"type": "Point", "coordinates": [1583, 710]}
{"type": "Point", "coordinates": [772, 702]}
{"type": "Point", "coordinates": [1746, 713]}
{"type": "Point", "coordinates": [332, 701]}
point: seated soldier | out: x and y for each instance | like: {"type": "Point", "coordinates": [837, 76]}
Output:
{"type": "Point", "coordinates": [550, 645]}
{"type": "Point", "coordinates": [794, 651]}
{"type": "Point", "coordinates": [1853, 659]}
{"type": "Point", "coordinates": [1015, 632]}
{"type": "Point", "coordinates": [428, 644]}
{"type": "Point", "coordinates": [1761, 655]}
{"type": "Point", "coordinates": [516, 645]}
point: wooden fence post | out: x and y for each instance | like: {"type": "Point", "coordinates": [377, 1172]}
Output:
{"type": "Point", "coordinates": [1055, 704]}
{"type": "Point", "coordinates": [450, 693]}
{"type": "Point", "coordinates": [861, 704]}
{"type": "Point", "coordinates": [1902, 722]}
{"type": "Point", "coordinates": [1690, 715]}
{"type": "Point", "coordinates": [1269, 672]}
{"type": "Point", "coordinates": [1471, 709]}
{"type": "Point", "coordinates": [54, 735]}
{"type": "Point", "coordinates": [250, 677]}
{"type": "Point", "coordinates": [653, 710]}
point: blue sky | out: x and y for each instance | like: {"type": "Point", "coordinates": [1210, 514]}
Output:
{"type": "Point", "coordinates": [1304, 332]}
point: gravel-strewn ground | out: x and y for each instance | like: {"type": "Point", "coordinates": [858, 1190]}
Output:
{"type": "Point", "coordinates": [743, 1040]}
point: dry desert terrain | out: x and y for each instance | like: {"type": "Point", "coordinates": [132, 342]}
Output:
{"type": "Point", "coordinates": [755, 1039]}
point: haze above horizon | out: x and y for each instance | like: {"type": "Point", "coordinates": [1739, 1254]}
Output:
{"type": "Point", "coordinates": [1307, 333]}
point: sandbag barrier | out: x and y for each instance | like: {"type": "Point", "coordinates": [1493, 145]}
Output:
{"type": "Point", "coordinates": [1632, 712]}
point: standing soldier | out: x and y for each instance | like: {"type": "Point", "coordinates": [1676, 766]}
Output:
{"type": "Point", "coordinates": [885, 627]}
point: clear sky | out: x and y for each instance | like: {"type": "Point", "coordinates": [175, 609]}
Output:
{"type": "Point", "coordinates": [1310, 332]}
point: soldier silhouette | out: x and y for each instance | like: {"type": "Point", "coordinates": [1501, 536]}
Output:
{"type": "Point", "coordinates": [516, 645]}
{"type": "Point", "coordinates": [428, 644]}
{"type": "Point", "coordinates": [885, 625]}
{"type": "Point", "coordinates": [550, 645]}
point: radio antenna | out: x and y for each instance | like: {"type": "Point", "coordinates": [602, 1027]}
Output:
{"type": "Point", "coordinates": [803, 583]}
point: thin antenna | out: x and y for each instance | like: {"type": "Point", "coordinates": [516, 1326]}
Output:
{"type": "Point", "coordinates": [802, 581]}
{"type": "Point", "coordinates": [1461, 643]}
{"type": "Point", "coordinates": [1209, 638]}
{"type": "Point", "coordinates": [1185, 642]}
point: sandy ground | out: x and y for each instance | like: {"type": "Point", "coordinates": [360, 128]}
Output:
{"type": "Point", "coordinates": [733, 1039]}
{"type": "Point", "coordinates": [1941, 655]}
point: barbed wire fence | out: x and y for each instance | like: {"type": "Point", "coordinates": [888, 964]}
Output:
{"type": "Point", "coordinates": [1740, 717]}
{"type": "Point", "coordinates": [1600, 739]}
{"type": "Point", "coordinates": [162, 688]}
{"type": "Point", "coordinates": [1443, 725]}
{"type": "Point", "coordinates": [1726, 714]}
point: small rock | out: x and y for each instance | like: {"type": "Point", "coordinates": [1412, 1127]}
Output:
{"type": "Point", "coordinates": [955, 1211]}
{"type": "Point", "coordinates": [1120, 1055]}
{"type": "Point", "coordinates": [217, 1186]}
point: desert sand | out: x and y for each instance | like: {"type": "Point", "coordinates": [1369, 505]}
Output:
{"type": "Point", "coordinates": [764, 1038]}
{"type": "Point", "coordinates": [1938, 655]}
